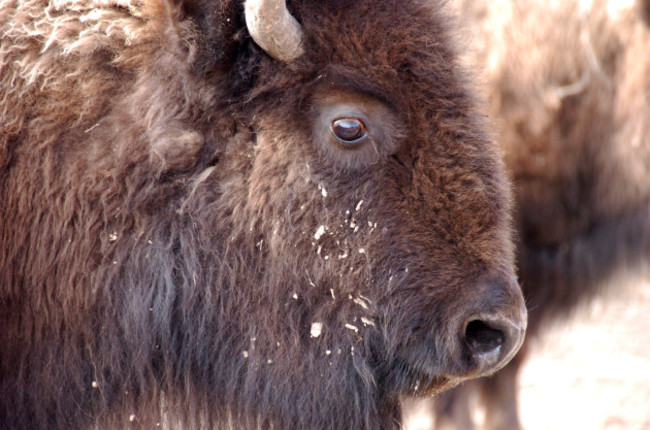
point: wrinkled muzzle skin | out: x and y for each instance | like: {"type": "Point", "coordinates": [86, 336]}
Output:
{"type": "Point", "coordinates": [241, 242]}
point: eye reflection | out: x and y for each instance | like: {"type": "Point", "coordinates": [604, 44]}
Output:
{"type": "Point", "coordinates": [348, 130]}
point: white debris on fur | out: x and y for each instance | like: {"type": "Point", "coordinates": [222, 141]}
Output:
{"type": "Point", "coordinates": [365, 298]}
{"type": "Point", "coordinates": [309, 279]}
{"type": "Point", "coordinates": [367, 321]}
{"type": "Point", "coordinates": [319, 232]}
{"type": "Point", "coordinates": [359, 301]}
{"type": "Point", "coordinates": [351, 327]}
{"type": "Point", "coordinates": [316, 329]}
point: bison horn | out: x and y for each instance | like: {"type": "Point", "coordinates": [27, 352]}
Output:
{"type": "Point", "coordinates": [274, 29]}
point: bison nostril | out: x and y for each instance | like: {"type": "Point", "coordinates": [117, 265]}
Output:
{"type": "Point", "coordinates": [482, 338]}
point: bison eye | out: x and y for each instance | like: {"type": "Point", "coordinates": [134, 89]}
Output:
{"type": "Point", "coordinates": [348, 130]}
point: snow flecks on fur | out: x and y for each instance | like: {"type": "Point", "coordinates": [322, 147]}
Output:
{"type": "Point", "coordinates": [319, 232]}
{"type": "Point", "coordinates": [316, 329]}
{"type": "Point", "coordinates": [351, 327]}
{"type": "Point", "coordinates": [359, 302]}
{"type": "Point", "coordinates": [367, 321]}
{"type": "Point", "coordinates": [323, 190]}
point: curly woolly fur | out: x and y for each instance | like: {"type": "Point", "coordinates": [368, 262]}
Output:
{"type": "Point", "coordinates": [161, 198]}
{"type": "Point", "coordinates": [570, 83]}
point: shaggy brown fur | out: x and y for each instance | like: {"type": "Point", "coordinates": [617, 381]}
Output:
{"type": "Point", "coordinates": [173, 230]}
{"type": "Point", "coordinates": [570, 82]}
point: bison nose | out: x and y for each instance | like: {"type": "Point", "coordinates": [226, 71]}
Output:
{"type": "Point", "coordinates": [490, 329]}
{"type": "Point", "coordinates": [492, 342]}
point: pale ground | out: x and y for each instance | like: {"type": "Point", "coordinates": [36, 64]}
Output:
{"type": "Point", "coordinates": [590, 373]}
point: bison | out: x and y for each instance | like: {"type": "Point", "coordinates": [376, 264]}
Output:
{"type": "Point", "coordinates": [569, 82]}
{"type": "Point", "coordinates": [228, 214]}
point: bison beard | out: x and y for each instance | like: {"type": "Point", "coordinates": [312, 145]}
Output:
{"type": "Point", "coordinates": [185, 242]}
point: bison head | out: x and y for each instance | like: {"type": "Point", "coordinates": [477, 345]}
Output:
{"type": "Point", "coordinates": [372, 169]}
{"type": "Point", "coordinates": [259, 234]}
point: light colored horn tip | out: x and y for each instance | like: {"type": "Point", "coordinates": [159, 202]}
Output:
{"type": "Point", "coordinates": [274, 29]}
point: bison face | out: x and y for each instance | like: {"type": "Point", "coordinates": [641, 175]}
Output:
{"type": "Point", "coordinates": [381, 207]}
{"type": "Point", "coordinates": [390, 254]}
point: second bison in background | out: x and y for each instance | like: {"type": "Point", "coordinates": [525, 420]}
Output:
{"type": "Point", "coordinates": [569, 85]}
